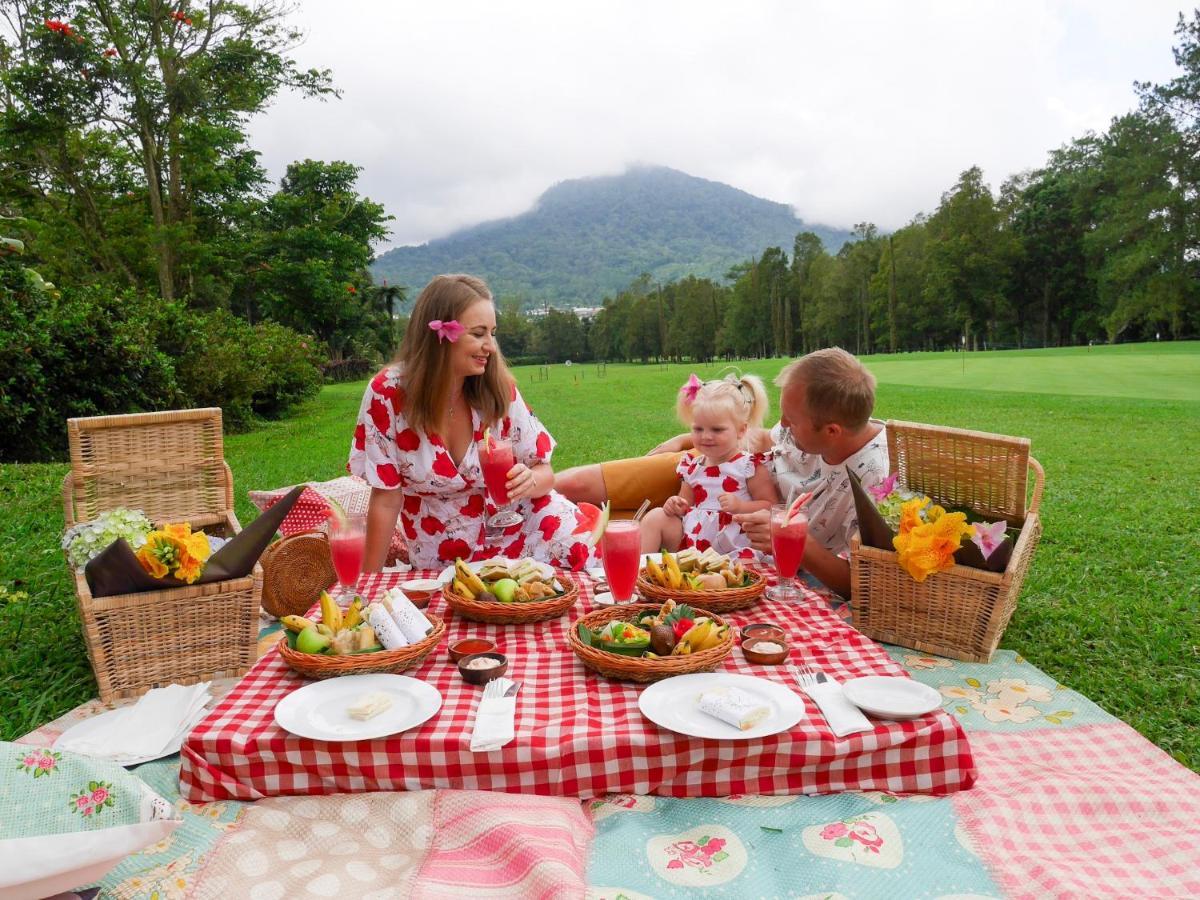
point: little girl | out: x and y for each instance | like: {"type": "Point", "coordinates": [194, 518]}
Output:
{"type": "Point", "coordinates": [722, 478]}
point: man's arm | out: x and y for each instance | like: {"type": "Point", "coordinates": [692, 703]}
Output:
{"type": "Point", "coordinates": [831, 569]}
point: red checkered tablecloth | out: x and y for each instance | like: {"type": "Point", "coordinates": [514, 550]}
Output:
{"type": "Point", "coordinates": [578, 734]}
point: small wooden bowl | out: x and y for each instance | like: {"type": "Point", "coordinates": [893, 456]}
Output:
{"type": "Point", "coordinates": [482, 676]}
{"type": "Point", "coordinates": [750, 651]}
{"type": "Point", "coordinates": [470, 646]}
{"type": "Point", "coordinates": [424, 588]}
{"type": "Point", "coordinates": [756, 631]}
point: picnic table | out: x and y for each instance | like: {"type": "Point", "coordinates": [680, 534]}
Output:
{"type": "Point", "coordinates": [578, 734]}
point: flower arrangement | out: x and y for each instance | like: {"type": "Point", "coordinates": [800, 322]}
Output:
{"type": "Point", "coordinates": [175, 550]}
{"type": "Point", "coordinates": [84, 541]}
{"type": "Point", "coordinates": [927, 537]}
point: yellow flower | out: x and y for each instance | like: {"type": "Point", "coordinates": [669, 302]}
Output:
{"type": "Point", "coordinates": [197, 546]}
{"type": "Point", "coordinates": [910, 513]}
{"type": "Point", "coordinates": [178, 532]}
{"type": "Point", "coordinates": [150, 562]}
{"type": "Point", "coordinates": [175, 547]}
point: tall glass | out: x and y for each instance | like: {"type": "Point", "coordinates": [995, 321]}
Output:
{"type": "Point", "coordinates": [788, 537]}
{"type": "Point", "coordinates": [496, 459]}
{"type": "Point", "coordinates": [347, 539]}
{"type": "Point", "coordinates": [621, 553]}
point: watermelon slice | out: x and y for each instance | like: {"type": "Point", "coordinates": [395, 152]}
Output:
{"type": "Point", "coordinates": [337, 513]}
{"type": "Point", "coordinates": [592, 521]}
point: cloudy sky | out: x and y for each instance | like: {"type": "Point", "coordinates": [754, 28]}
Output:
{"type": "Point", "coordinates": [460, 112]}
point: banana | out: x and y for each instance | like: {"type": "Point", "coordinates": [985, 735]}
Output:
{"type": "Point", "coordinates": [674, 576]}
{"type": "Point", "coordinates": [714, 638]}
{"type": "Point", "coordinates": [655, 572]}
{"type": "Point", "coordinates": [353, 615]}
{"type": "Point", "coordinates": [331, 613]}
{"type": "Point", "coordinates": [698, 632]}
{"type": "Point", "coordinates": [325, 630]}
{"type": "Point", "coordinates": [297, 623]}
{"type": "Point", "coordinates": [462, 590]}
{"type": "Point", "coordinates": [683, 648]}
{"type": "Point", "coordinates": [469, 579]}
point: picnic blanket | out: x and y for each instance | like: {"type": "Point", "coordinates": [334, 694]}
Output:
{"type": "Point", "coordinates": [1069, 802]}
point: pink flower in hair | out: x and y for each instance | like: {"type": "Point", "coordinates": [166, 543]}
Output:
{"type": "Point", "coordinates": [691, 388]}
{"type": "Point", "coordinates": [450, 330]}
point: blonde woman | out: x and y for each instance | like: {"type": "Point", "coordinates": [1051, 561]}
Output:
{"type": "Point", "coordinates": [418, 438]}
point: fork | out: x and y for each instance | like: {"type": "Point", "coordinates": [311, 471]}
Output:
{"type": "Point", "coordinates": [805, 675]}
{"type": "Point", "coordinates": [500, 687]}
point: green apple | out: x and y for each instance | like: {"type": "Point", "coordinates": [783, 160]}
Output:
{"type": "Point", "coordinates": [312, 641]}
{"type": "Point", "coordinates": [504, 590]}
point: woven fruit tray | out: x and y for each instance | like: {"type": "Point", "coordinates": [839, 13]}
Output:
{"type": "Point", "coordinates": [641, 669]}
{"type": "Point", "coordinates": [722, 601]}
{"type": "Point", "coordinates": [321, 665]}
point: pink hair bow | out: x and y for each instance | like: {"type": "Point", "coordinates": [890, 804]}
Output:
{"type": "Point", "coordinates": [691, 388]}
{"type": "Point", "coordinates": [447, 331]}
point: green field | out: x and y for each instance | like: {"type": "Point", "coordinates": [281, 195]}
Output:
{"type": "Point", "coordinates": [1111, 606]}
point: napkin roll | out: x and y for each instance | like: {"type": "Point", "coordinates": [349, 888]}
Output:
{"type": "Point", "coordinates": [385, 628]}
{"type": "Point", "coordinates": [843, 716]}
{"type": "Point", "coordinates": [410, 620]}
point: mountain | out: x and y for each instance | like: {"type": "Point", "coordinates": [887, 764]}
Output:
{"type": "Point", "coordinates": [588, 238]}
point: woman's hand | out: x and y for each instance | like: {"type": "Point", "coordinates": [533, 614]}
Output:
{"type": "Point", "coordinates": [521, 482]}
{"type": "Point", "coordinates": [677, 444]}
{"type": "Point", "coordinates": [675, 506]}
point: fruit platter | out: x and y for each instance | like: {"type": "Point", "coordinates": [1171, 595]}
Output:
{"type": "Point", "coordinates": [507, 592]}
{"type": "Point", "coordinates": [708, 579]}
{"type": "Point", "coordinates": [389, 635]}
{"type": "Point", "coordinates": [648, 642]}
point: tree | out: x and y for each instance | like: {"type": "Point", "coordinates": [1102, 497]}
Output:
{"type": "Point", "coordinates": [559, 336]}
{"type": "Point", "coordinates": [126, 124]}
{"type": "Point", "coordinates": [308, 262]}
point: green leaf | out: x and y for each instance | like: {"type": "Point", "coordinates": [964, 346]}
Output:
{"type": "Point", "coordinates": [961, 710]}
{"type": "Point", "coordinates": [1054, 719]}
{"type": "Point", "coordinates": [720, 855]}
{"type": "Point", "coordinates": [842, 842]}
{"type": "Point", "coordinates": [1064, 713]}
{"type": "Point", "coordinates": [770, 829]}
{"type": "Point", "coordinates": [585, 635]}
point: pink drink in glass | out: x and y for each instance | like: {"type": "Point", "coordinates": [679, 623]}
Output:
{"type": "Point", "coordinates": [496, 459]}
{"type": "Point", "coordinates": [622, 557]}
{"type": "Point", "coordinates": [346, 543]}
{"type": "Point", "coordinates": [788, 537]}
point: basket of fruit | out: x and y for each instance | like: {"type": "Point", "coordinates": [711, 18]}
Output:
{"type": "Point", "coordinates": [502, 592]}
{"type": "Point", "coordinates": [707, 579]}
{"type": "Point", "coordinates": [646, 643]}
{"type": "Point", "coordinates": [358, 641]}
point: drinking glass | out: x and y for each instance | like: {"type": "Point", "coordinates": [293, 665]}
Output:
{"type": "Point", "coordinates": [621, 554]}
{"type": "Point", "coordinates": [788, 536]}
{"type": "Point", "coordinates": [496, 459]}
{"type": "Point", "coordinates": [347, 538]}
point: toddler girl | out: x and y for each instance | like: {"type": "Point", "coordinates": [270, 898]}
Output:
{"type": "Point", "coordinates": [722, 478]}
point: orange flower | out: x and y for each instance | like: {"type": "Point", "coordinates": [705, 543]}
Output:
{"type": "Point", "coordinates": [925, 548]}
{"type": "Point", "coordinates": [910, 513]}
{"type": "Point", "coordinates": [150, 562]}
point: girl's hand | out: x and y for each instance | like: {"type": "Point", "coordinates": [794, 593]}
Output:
{"type": "Point", "coordinates": [521, 482]}
{"type": "Point", "coordinates": [729, 503]}
{"type": "Point", "coordinates": [676, 506]}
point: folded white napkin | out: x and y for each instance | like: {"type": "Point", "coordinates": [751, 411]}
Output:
{"type": "Point", "coordinates": [494, 721]}
{"type": "Point", "coordinates": [144, 729]}
{"type": "Point", "coordinates": [842, 715]}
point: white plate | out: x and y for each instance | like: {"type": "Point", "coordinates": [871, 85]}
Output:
{"type": "Point", "coordinates": [889, 697]}
{"type": "Point", "coordinates": [447, 574]}
{"type": "Point", "coordinates": [429, 585]}
{"type": "Point", "coordinates": [318, 710]}
{"type": "Point", "coordinates": [673, 704]}
{"type": "Point", "coordinates": [87, 726]}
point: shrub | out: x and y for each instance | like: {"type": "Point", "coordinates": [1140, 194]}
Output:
{"type": "Point", "coordinates": [349, 370]}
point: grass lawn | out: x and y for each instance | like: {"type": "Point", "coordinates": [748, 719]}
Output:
{"type": "Point", "coordinates": [1111, 606]}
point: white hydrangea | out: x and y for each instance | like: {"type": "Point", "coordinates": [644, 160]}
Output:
{"type": "Point", "coordinates": [86, 540]}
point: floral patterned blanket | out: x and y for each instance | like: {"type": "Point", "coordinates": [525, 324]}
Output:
{"type": "Point", "coordinates": [1070, 802]}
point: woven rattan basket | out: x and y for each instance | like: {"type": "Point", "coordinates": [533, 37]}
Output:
{"type": "Point", "coordinates": [960, 613]}
{"type": "Point", "coordinates": [724, 601]}
{"type": "Point", "coordinates": [319, 665]}
{"type": "Point", "coordinates": [513, 613]}
{"type": "Point", "coordinates": [295, 571]}
{"type": "Point", "coordinates": [170, 465]}
{"type": "Point", "coordinates": [633, 668]}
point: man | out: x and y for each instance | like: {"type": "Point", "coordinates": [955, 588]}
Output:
{"type": "Point", "coordinates": [825, 426]}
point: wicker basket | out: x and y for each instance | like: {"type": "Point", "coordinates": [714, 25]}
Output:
{"type": "Point", "coordinates": [171, 466]}
{"type": "Point", "coordinates": [724, 601]}
{"type": "Point", "coordinates": [633, 668]}
{"type": "Point", "coordinates": [512, 613]}
{"type": "Point", "coordinates": [295, 571]}
{"type": "Point", "coordinates": [319, 665]}
{"type": "Point", "coordinates": [960, 613]}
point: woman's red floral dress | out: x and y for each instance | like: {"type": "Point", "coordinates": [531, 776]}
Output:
{"type": "Point", "coordinates": [446, 505]}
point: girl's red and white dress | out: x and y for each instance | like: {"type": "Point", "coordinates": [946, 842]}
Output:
{"type": "Point", "coordinates": [706, 524]}
{"type": "Point", "coordinates": [446, 506]}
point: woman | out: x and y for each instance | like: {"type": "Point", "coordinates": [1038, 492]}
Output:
{"type": "Point", "coordinates": [417, 443]}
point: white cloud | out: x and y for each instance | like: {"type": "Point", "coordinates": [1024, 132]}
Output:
{"type": "Point", "coordinates": [463, 112]}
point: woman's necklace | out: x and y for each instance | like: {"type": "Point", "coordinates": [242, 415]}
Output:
{"type": "Point", "coordinates": [454, 403]}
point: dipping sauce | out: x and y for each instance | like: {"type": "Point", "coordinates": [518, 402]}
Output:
{"type": "Point", "coordinates": [469, 646]}
{"type": "Point", "coordinates": [767, 647]}
{"type": "Point", "coordinates": [484, 662]}
{"type": "Point", "coordinates": [763, 631]}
